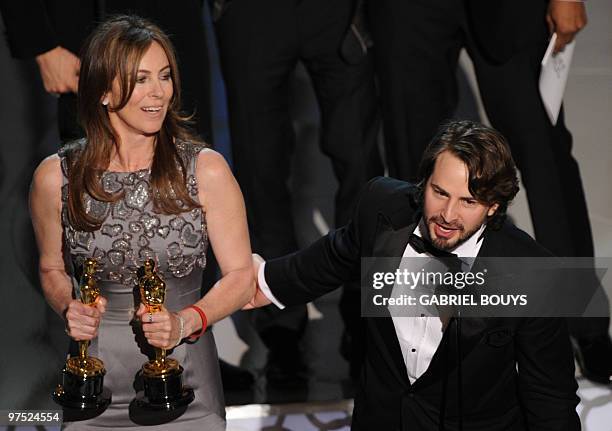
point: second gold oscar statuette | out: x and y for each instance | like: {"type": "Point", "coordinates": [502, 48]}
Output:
{"type": "Point", "coordinates": [162, 376]}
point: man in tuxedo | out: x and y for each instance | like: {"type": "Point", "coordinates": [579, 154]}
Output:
{"type": "Point", "coordinates": [416, 48]}
{"type": "Point", "coordinates": [423, 372]}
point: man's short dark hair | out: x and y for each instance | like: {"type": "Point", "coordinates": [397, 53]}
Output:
{"type": "Point", "coordinates": [485, 152]}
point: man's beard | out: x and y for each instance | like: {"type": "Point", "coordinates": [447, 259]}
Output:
{"type": "Point", "coordinates": [454, 242]}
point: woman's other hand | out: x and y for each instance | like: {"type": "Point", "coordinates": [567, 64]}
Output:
{"type": "Point", "coordinates": [82, 321]}
{"type": "Point", "coordinates": [162, 329]}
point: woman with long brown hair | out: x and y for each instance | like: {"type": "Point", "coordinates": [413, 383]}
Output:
{"type": "Point", "coordinates": [141, 187]}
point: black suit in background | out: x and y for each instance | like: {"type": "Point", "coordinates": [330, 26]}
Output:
{"type": "Point", "coordinates": [260, 43]}
{"type": "Point", "coordinates": [540, 396]}
{"type": "Point", "coordinates": [417, 44]}
{"type": "Point", "coordinates": [36, 26]}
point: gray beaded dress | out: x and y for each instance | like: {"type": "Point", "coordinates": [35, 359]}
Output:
{"type": "Point", "coordinates": [130, 234]}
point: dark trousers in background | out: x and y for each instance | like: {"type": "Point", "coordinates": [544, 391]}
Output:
{"type": "Point", "coordinates": [417, 45]}
{"type": "Point", "coordinates": [260, 44]}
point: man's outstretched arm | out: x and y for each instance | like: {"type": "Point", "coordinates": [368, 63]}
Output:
{"type": "Point", "coordinates": [324, 266]}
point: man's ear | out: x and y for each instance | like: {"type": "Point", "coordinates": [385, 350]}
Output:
{"type": "Point", "coordinates": [492, 210]}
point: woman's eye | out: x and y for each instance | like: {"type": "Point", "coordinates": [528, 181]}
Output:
{"type": "Point", "coordinates": [166, 77]}
{"type": "Point", "coordinates": [141, 79]}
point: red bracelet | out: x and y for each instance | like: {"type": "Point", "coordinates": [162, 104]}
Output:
{"type": "Point", "coordinates": [199, 333]}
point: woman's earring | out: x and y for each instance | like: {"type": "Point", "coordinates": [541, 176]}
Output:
{"type": "Point", "coordinates": [105, 102]}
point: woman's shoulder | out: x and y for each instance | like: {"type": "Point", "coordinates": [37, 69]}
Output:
{"type": "Point", "coordinates": [48, 175]}
{"type": "Point", "coordinates": [215, 179]}
{"type": "Point", "coordinates": [49, 165]}
{"type": "Point", "coordinates": [211, 164]}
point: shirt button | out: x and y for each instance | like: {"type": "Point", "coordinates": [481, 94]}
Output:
{"type": "Point", "coordinates": [413, 350]}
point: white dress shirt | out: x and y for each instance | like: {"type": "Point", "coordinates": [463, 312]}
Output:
{"type": "Point", "coordinates": [419, 337]}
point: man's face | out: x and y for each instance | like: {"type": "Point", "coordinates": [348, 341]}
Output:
{"type": "Point", "coordinates": [451, 213]}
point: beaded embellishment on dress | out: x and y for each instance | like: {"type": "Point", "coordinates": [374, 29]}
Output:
{"type": "Point", "coordinates": [131, 230]}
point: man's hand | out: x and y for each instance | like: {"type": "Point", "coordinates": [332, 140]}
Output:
{"type": "Point", "coordinates": [566, 18]}
{"type": "Point", "coordinates": [259, 299]}
{"type": "Point", "coordinates": [59, 70]}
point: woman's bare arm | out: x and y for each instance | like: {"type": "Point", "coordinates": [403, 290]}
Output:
{"type": "Point", "coordinates": [45, 207]}
{"type": "Point", "coordinates": [226, 222]}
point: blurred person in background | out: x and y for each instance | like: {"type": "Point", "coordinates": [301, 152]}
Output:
{"type": "Point", "coordinates": [260, 44]}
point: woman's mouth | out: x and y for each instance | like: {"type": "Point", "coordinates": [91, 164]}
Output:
{"type": "Point", "coordinates": [152, 109]}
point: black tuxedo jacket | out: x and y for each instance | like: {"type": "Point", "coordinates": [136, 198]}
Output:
{"type": "Point", "coordinates": [541, 395]}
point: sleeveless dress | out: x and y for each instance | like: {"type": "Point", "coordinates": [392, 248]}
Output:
{"type": "Point", "coordinates": [131, 233]}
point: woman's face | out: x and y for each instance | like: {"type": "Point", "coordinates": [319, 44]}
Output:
{"type": "Point", "coordinates": [144, 113]}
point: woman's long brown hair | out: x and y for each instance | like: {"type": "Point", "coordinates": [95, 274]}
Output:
{"type": "Point", "coordinates": [114, 51]}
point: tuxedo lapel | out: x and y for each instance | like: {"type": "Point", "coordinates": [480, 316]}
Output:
{"type": "Point", "coordinates": [393, 229]}
{"type": "Point", "coordinates": [491, 245]}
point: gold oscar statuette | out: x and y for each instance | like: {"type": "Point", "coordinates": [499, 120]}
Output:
{"type": "Point", "coordinates": [162, 376]}
{"type": "Point", "coordinates": [81, 393]}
